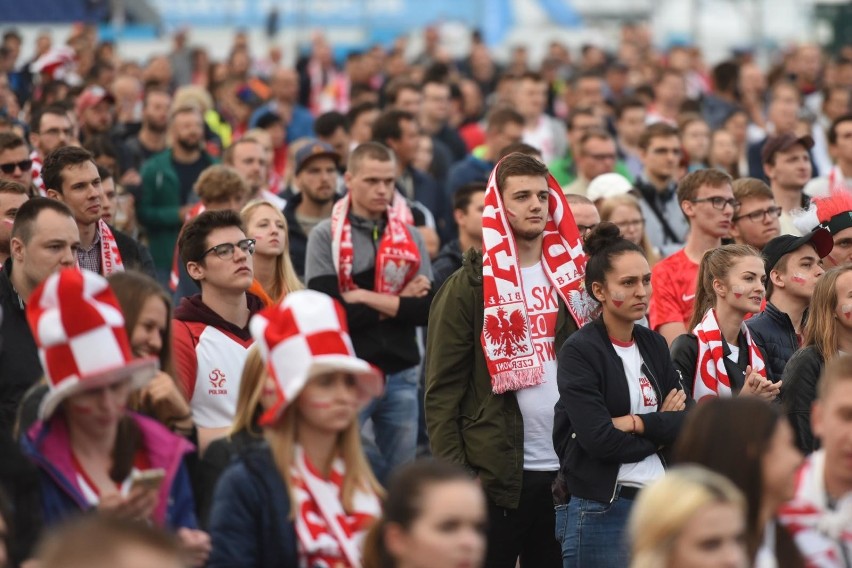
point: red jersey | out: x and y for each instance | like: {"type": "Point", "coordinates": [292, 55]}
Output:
{"type": "Point", "coordinates": [674, 280]}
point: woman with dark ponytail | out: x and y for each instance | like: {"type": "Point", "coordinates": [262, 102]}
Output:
{"type": "Point", "coordinates": [620, 406]}
{"type": "Point", "coordinates": [434, 517]}
{"type": "Point", "coordinates": [719, 357]}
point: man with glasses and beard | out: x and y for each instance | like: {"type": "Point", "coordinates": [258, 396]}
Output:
{"type": "Point", "coordinates": [167, 181]}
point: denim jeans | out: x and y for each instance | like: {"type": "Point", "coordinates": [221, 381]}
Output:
{"type": "Point", "coordinates": [394, 416]}
{"type": "Point", "coordinates": [593, 533]}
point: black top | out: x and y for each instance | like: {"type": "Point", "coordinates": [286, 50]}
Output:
{"type": "Point", "coordinates": [188, 173]}
{"type": "Point", "coordinates": [798, 393]}
{"type": "Point", "coordinates": [773, 332]}
{"type": "Point", "coordinates": [593, 389]}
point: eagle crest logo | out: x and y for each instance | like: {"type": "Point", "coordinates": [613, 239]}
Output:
{"type": "Point", "coordinates": [506, 333]}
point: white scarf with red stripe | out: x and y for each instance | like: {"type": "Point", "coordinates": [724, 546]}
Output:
{"type": "Point", "coordinates": [820, 533]}
{"type": "Point", "coordinates": [837, 181]}
{"type": "Point", "coordinates": [397, 255]}
{"type": "Point", "coordinates": [506, 337]}
{"type": "Point", "coordinates": [711, 378]}
{"type": "Point", "coordinates": [110, 257]}
{"type": "Point", "coordinates": [327, 534]}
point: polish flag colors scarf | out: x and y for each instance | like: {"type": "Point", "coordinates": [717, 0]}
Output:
{"type": "Point", "coordinates": [506, 335]}
{"type": "Point", "coordinates": [397, 256]}
{"type": "Point", "coordinates": [711, 378]}
{"type": "Point", "coordinates": [822, 533]}
{"type": "Point", "coordinates": [327, 534]}
{"type": "Point", "coordinates": [110, 257]}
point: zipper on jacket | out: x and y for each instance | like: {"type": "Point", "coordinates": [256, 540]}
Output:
{"type": "Point", "coordinates": [614, 489]}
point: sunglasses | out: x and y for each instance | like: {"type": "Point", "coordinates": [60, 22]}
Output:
{"type": "Point", "coordinates": [9, 168]}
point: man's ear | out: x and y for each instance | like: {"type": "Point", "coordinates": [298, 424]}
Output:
{"type": "Point", "coordinates": [734, 231]}
{"type": "Point", "coordinates": [16, 247]}
{"type": "Point", "coordinates": [776, 280]}
{"type": "Point", "coordinates": [53, 194]}
{"type": "Point", "coordinates": [459, 216]}
{"type": "Point", "coordinates": [768, 169]}
{"type": "Point", "coordinates": [195, 270]}
{"type": "Point", "coordinates": [688, 208]}
{"type": "Point", "coordinates": [347, 177]}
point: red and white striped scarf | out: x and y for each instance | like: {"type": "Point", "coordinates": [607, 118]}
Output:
{"type": "Point", "coordinates": [327, 534]}
{"type": "Point", "coordinates": [397, 257]}
{"type": "Point", "coordinates": [506, 337]}
{"type": "Point", "coordinates": [820, 532]}
{"type": "Point", "coordinates": [38, 181]}
{"type": "Point", "coordinates": [711, 378]}
{"type": "Point", "coordinates": [110, 257]}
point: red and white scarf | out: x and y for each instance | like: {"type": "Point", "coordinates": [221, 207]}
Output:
{"type": "Point", "coordinates": [506, 336]}
{"type": "Point", "coordinates": [820, 532]}
{"type": "Point", "coordinates": [38, 181]}
{"type": "Point", "coordinates": [837, 181]}
{"type": "Point", "coordinates": [327, 534]}
{"type": "Point", "coordinates": [711, 378]}
{"type": "Point", "coordinates": [174, 275]}
{"type": "Point", "coordinates": [397, 257]}
{"type": "Point", "coordinates": [110, 257]}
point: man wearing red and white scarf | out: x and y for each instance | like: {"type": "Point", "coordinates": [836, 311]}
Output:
{"type": "Point", "coordinates": [495, 329]}
{"type": "Point", "coordinates": [839, 177]}
{"type": "Point", "coordinates": [71, 176]}
{"type": "Point", "coordinates": [371, 257]}
{"type": "Point", "coordinates": [820, 515]}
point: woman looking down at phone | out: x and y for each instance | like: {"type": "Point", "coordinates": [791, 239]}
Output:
{"type": "Point", "coordinates": [620, 406]}
{"type": "Point", "coordinates": [92, 453]}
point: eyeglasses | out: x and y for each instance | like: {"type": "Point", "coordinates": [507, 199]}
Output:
{"type": "Point", "coordinates": [718, 202]}
{"type": "Point", "coordinates": [759, 216]}
{"type": "Point", "coordinates": [225, 251]}
{"type": "Point", "coordinates": [601, 157]}
{"type": "Point", "coordinates": [586, 229]}
{"type": "Point", "coordinates": [637, 224]}
{"type": "Point", "coordinates": [9, 168]}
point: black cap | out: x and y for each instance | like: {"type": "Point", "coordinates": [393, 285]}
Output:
{"type": "Point", "coordinates": [782, 143]}
{"type": "Point", "coordinates": [820, 238]}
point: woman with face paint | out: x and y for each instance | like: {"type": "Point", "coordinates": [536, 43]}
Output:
{"type": "Point", "coordinates": [719, 357]}
{"type": "Point", "coordinates": [308, 497]}
{"type": "Point", "coordinates": [96, 455]}
{"type": "Point", "coordinates": [828, 332]}
{"type": "Point", "coordinates": [147, 317]}
{"type": "Point", "coordinates": [620, 406]}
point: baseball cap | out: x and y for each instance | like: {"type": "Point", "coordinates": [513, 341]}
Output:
{"type": "Point", "coordinates": [608, 185]}
{"type": "Point", "coordinates": [315, 149]}
{"type": "Point", "coordinates": [782, 143]}
{"type": "Point", "coordinates": [91, 97]}
{"type": "Point", "coordinates": [785, 244]}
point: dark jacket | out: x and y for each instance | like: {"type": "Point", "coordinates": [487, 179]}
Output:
{"type": "Point", "coordinates": [249, 522]}
{"type": "Point", "coordinates": [468, 424]}
{"type": "Point", "coordinates": [134, 255]}
{"type": "Point", "coordinates": [429, 193]}
{"type": "Point", "coordinates": [469, 170]}
{"type": "Point", "coordinates": [218, 455]}
{"type": "Point", "coordinates": [592, 390]}
{"type": "Point", "coordinates": [389, 343]}
{"type": "Point", "coordinates": [297, 240]}
{"type": "Point", "coordinates": [448, 261]}
{"type": "Point", "coordinates": [685, 357]}
{"type": "Point", "coordinates": [799, 391]}
{"type": "Point", "coordinates": [20, 367]}
{"type": "Point", "coordinates": [774, 333]}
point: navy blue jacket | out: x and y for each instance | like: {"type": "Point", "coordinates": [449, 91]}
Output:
{"type": "Point", "coordinates": [469, 170]}
{"type": "Point", "coordinates": [249, 523]}
{"type": "Point", "coordinates": [774, 333]}
{"type": "Point", "coordinates": [592, 390]}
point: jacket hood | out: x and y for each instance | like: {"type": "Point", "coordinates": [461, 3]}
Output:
{"type": "Point", "coordinates": [192, 309]}
{"type": "Point", "coordinates": [472, 267]}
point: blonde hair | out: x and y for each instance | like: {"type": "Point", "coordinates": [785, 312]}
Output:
{"type": "Point", "coordinates": [282, 436]}
{"type": "Point", "coordinates": [610, 204]}
{"type": "Point", "coordinates": [193, 95]}
{"type": "Point", "coordinates": [251, 387]}
{"type": "Point", "coordinates": [664, 507]}
{"type": "Point", "coordinates": [286, 280]}
{"type": "Point", "coordinates": [821, 328]}
{"type": "Point", "coordinates": [715, 265]}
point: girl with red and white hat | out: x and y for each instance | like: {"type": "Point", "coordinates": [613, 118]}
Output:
{"type": "Point", "coordinates": [309, 497]}
{"type": "Point", "coordinates": [94, 454]}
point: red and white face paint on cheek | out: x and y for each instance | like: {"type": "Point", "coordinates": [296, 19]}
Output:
{"type": "Point", "coordinates": [798, 278]}
{"type": "Point", "coordinates": [617, 299]}
{"type": "Point", "coordinates": [846, 309]}
{"type": "Point", "coordinates": [319, 402]}
{"type": "Point", "coordinates": [738, 291]}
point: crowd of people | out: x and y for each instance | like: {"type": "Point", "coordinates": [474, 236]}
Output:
{"type": "Point", "coordinates": [410, 311]}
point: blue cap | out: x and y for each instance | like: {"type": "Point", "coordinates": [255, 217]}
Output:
{"type": "Point", "coordinates": [315, 149]}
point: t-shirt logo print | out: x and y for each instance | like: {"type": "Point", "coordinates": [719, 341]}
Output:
{"type": "Point", "coordinates": [217, 381]}
{"type": "Point", "coordinates": [506, 333]}
{"type": "Point", "coordinates": [649, 397]}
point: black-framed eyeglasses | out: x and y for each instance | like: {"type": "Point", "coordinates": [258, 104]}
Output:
{"type": "Point", "coordinates": [225, 251]}
{"type": "Point", "coordinates": [586, 229]}
{"type": "Point", "coordinates": [718, 202]}
{"type": "Point", "coordinates": [760, 216]}
{"type": "Point", "coordinates": [9, 168]}
{"type": "Point", "coordinates": [635, 224]}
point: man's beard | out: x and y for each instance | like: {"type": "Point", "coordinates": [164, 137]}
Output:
{"type": "Point", "coordinates": [188, 146]}
{"type": "Point", "coordinates": [529, 235]}
{"type": "Point", "coordinates": [317, 199]}
{"type": "Point", "coordinates": [157, 128]}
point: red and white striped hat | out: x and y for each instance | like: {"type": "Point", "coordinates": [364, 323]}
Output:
{"type": "Point", "coordinates": [79, 329]}
{"type": "Point", "coordinates": [304, 336]}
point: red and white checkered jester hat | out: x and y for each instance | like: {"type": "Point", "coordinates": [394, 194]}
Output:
{"type": "Point", "coordinates": [304, 336]}
{"type": "Point", "coordinates": [79, 330]}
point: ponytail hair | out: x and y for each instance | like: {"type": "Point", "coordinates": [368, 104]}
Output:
{"type": "Point", "coordinates": [715, 265]}
{"type": "Point", "coordinates": [602, 245]}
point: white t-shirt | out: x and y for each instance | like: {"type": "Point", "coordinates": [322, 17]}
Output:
{"type": "Point", "coordinates": [541, 137]}
{"type": "Point", "coordinates": [536, 403]}
{"type": "Point", "coordinates": [734, 355]}
{"type": "Point", "coordinates": [643, 400]}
